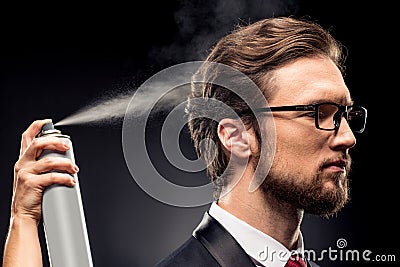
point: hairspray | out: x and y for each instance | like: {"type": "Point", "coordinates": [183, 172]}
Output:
{"type": "Point", "coordinates": [63, 216]}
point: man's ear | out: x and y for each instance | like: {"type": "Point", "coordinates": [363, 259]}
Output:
{"type": "Point", "coordinates": [234, 137]}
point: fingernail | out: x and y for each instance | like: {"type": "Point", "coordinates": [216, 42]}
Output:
{"type": "Point", "coordinates": [66, 144]}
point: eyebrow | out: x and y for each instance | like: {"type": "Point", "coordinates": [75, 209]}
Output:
{"type": "Point", "coordinates": [345, 103]}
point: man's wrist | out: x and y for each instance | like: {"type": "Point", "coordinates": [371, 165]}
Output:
{"type": "Point", "coordinates": [18, 220]}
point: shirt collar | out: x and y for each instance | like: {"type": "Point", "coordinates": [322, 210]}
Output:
{"type": "Point", "coordinates": [258, 245]}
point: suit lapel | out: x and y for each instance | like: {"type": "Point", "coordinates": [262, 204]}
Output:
{"type": "Point", "coordinates": [221, 245]}
{"type": "Point", "coordinates": [312, 264]}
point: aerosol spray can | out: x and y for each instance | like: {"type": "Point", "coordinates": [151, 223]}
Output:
{"type": "Point", "coordinates": [63, 216]}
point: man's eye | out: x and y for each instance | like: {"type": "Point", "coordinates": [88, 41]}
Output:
{"type": "Point", "coordinates": [324, 115]}
{"type": "Point", "coordinates": [310, 114]}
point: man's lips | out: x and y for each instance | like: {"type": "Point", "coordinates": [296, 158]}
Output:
{"type": "Point", "coordinates": [336, 165]}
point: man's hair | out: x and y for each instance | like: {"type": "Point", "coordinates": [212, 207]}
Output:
{"type": "Point", "coordinates": [255, 50]}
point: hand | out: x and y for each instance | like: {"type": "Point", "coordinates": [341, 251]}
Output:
{"type": "Point", "coordinates": [32, 176]}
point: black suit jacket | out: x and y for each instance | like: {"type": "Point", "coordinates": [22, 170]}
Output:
{"type": "Point", "coordinates": [210, 246]}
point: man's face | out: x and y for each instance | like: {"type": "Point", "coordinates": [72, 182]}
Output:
{"type": "Point", "coordinates": [310, 166]}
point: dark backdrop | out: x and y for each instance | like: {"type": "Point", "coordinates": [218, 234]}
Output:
{"type": "Point", "coordinates": [56, 60]}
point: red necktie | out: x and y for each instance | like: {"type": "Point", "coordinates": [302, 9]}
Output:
{"type": "Point", "coordinates": [296, 261]}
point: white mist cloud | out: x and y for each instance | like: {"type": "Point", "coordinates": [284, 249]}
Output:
{"type": "Point", "coordinates": [112, 109]}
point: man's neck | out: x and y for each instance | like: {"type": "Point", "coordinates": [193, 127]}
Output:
{"type": "Point", "coordinates": [265, 213]}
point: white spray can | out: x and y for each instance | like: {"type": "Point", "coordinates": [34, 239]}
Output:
{"type": "Point", "coordinates": [63, 216]}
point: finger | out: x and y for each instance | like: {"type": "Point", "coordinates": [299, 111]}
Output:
{"type": "Point", "coordinates": [29, 182]}
{"type": "Point", "coordinates": [37, 145]}
{"type": "Point", "coordinates": [31, 132]}
{"type": "Point", "coordinates": [54, 163]}
{"type": "Point", "coordinates": [56, 178]}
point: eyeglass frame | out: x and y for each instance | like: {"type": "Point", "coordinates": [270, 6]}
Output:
{"type": "Point", "coordinates": [344, 110]}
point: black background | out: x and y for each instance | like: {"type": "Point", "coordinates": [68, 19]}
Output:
{"type": "Point", "coordinates": [55, 60]}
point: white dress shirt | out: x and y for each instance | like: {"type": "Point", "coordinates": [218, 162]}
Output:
{"type": "Point", "coordinates": [258, 245]}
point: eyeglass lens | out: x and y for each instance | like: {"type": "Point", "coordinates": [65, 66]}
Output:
{"type": "Point", "coordinates": [329, 117]}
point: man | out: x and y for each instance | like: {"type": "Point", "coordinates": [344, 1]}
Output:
{"type": "Point", "coordinates": [298, 68]}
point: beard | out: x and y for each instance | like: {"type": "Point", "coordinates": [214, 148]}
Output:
{"type": "Point", "coordinates": [309, 193]}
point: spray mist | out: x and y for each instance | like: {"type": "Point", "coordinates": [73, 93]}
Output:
{"type": "Point", "coordinates": [63, 216]}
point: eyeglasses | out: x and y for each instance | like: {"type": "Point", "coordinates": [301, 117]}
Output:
{"type": "Point", "coordinates": [328, 115]}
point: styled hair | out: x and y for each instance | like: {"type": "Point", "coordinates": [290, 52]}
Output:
{"type": "Point", "coordinates": [255, 50]}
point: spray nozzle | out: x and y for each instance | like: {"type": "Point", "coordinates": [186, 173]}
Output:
{"type": "Point", "coordinates": [48, 128]}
